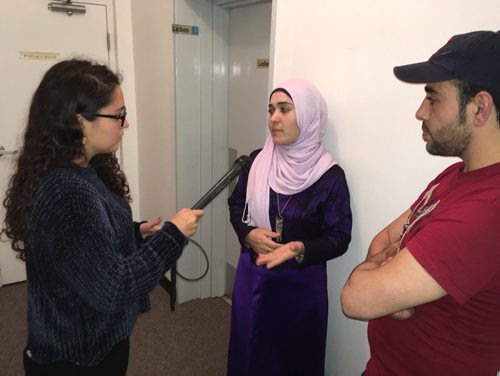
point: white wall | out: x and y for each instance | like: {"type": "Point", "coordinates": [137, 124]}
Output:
{"type": "Point", "coordinates": [153, 48]}
{"type": "Point", "coordinates": [125, 60]}
{"type": "Point", "coordinates": [348, 49]}
{"type": "Point", "coordinates": [145, 55]}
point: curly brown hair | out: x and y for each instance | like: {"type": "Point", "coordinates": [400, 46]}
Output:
{"type": "Point", "coordinates": [53, 137]}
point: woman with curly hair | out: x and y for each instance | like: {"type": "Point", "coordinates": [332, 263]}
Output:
{"type": "Point", "coordinates": [89, 266]}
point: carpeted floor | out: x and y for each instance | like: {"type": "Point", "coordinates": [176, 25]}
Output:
{"type": "Point", "coordinates": [190, 341]}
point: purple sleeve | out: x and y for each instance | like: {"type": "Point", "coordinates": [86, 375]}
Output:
{"type": "Point", "coordinates": [236, 203]}
{"type": "Point", "coordinates": [335, 221]}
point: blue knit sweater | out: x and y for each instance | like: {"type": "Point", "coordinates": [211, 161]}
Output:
{"type": "Point", "coordinates": [89, 272]}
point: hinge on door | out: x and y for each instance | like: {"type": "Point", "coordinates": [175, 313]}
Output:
{"type": "Point", "coordinates": [108, 41]}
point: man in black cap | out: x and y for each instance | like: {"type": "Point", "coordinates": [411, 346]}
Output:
{"type": "Point", "coordinates": [430, 285]}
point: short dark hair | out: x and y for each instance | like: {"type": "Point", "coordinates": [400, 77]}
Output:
{"type": "Point", "coordinates": [467, 91]}
{"type": "Point", "coordinates": [282, 90]}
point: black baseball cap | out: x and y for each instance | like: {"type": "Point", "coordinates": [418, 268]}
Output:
{"type": "Point", "coordinates": [472, 57]}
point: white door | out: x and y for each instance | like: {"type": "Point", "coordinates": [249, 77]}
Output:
{"type": "Point", "coordinates": [33, 38]}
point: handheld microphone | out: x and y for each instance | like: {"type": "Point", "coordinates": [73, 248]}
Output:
{"type": "Point", "coordinates": [240, 165]}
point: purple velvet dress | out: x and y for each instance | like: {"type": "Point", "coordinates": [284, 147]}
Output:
{"type": "Point", "coordinates": [279, 316]}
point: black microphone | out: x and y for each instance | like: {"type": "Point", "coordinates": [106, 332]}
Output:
{"type": "Point", "coordinates": [240, 165]}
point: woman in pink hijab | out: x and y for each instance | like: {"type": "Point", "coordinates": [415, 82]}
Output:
{"type": "Point", "coordinates": [291, 213]}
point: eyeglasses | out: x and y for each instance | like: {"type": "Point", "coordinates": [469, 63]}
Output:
{"type": "Point", "coordinates": [121, 117]}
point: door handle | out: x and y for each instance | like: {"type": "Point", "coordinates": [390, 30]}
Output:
{"type": "Point", "coordinates": [5, 152]}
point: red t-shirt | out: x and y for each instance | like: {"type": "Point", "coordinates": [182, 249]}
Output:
{"type": "Point", "coordinates": [454, 233]}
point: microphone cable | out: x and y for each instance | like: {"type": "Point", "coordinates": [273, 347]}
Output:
{"type": "Point", "coordinates": [206, 259]}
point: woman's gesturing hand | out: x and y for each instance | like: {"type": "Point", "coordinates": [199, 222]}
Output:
{"type": "Point", "coordinates": [284, 253]}
{"type": "Point", "coordinates": [150, 227]}
{"type": "Point", "coordinates": [260, 240]}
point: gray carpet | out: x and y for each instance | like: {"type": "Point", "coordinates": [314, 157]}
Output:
{"type": "Point", "coordinates": [190, 341]}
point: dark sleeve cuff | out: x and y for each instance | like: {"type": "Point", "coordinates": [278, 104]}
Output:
{"type": "Point", "coordinates": [320, 250]}
{"type": "Point", "coordinates": [244, 233]}
{"type": "Point", "coordinates": [174, 231]}
{"type": "Point", "coordinates": [137, 232]}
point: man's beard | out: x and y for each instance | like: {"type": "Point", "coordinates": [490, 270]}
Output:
{"type": "Point", "coordinates": [449, 140]}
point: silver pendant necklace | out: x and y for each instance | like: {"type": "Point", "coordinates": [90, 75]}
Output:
{"type": "Point", "coordinates": [279, 217]}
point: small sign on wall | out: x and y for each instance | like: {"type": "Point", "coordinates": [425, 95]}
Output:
{"type": "Point", "coordinates": [262, 63]}
{"type": "Point", "coordinates": [185, 29]}
{"type": "Point", "coordinates": [36, 55]}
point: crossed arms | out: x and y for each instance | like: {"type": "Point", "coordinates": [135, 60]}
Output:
{"type": "Point", "coordinates": [388, 282]}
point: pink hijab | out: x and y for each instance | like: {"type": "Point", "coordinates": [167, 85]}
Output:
{"type": "Point", "coordinates": [290, 169]}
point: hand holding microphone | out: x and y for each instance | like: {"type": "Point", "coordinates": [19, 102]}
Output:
{"type": "Point", "coordinates": [186, 220]}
